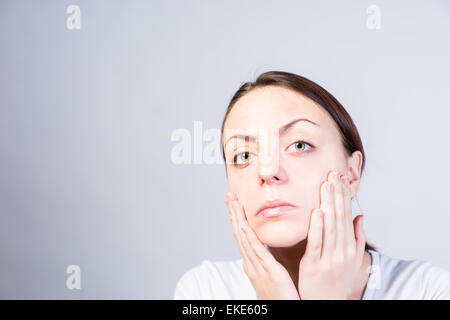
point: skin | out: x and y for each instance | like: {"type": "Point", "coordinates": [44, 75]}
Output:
{"type": "Point", "coordinates": [316, 251]}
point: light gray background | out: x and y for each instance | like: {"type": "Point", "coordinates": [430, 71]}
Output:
{"type": "Point", "coordinates": [86, 118]}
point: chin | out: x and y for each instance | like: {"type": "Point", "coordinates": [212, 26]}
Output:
{"type": "Point", "coordinates": [279, 236]}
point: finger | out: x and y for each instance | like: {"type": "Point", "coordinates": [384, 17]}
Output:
{"type": "Point", "coordinates": [339, 211]}
{"type": "Point", "coordinates": [314, 242]}
{"type": "Point", "coordinates": [243, 231]}
{"type": "Point", "coordinates": [237, 235]}
{"type": "Point", "coordinates": [265, 258]}
{"type": "Point", "coordinates": [327, 207]}
{"type": "Point", "coordinates": [240, 214]}
{"type": "Point", "coordinates": [349, 230]}
{"type": "Point", "coordinates": [230, 196]}
{"type": "Point", "coordinates": [360, 235]}
{"type": "Point", "coordinates": [234, 225]}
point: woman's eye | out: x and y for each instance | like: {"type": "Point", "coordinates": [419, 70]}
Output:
{"type": "Point", "coordinates": [243, 156]}
{"type": "Point", "coordinates": [300, 146]}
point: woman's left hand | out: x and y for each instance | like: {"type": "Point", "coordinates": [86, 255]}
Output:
{"type": "Point", "coordinates": [335, 244]}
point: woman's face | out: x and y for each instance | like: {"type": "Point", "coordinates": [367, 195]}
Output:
{"type": "Point", "coordinates": [276, 166]}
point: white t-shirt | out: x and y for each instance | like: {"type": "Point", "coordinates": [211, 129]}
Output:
{"type": "Point", "coordinates": [390, 279]}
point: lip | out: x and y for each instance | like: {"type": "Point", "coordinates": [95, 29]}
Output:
{"type": "Point", "coordinates": [274, 208]}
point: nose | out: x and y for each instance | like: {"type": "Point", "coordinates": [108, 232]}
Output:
{"type": "Point", "coordinates": [270, 170]}
{"type": "Point", "coordinates": [269, 173]}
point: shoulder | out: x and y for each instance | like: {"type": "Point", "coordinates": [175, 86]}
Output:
{"type": "Point", "coordinates": [436, 282]}
{"type": "Point", "coordinates": [394, 278]}
{"type": "Point", "coordinates": [213, 280]}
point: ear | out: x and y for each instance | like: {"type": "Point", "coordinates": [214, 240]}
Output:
{"type": "Point", "coordinates": [354, 165]}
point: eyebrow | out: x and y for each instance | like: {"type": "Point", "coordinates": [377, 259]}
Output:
{"type": "Point", "coordinates": [282, 130]}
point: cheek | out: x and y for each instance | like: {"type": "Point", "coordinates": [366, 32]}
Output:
{"type": "Point", "coordinates": [246, 196]}
{"type": "Point", "coordinates": [308, 174]}
{"type": "Point", "coordinates": [236, 184]}
{"type": "Point", "coordinates": [307, 189]}
{"type": "Point", "coordinates": [242, 183]}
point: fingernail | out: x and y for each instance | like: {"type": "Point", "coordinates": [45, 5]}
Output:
{"type": "Point", "coordinates": [329, 187]}
{"type": "Point", "coordinates": [244, 229]}
{"type": "Point", "coordinates": [336, 177]}
{"type": "Point", "coordinates": [317, 212]}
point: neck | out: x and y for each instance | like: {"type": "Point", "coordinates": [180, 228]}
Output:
{"type": "Point", "coordinates": [290, 258]}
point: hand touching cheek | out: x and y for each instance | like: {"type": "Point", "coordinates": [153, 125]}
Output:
{"type": "Point", "coordinates": [269, 278]}
{"type": "Point", "coordinates": [335, 244]}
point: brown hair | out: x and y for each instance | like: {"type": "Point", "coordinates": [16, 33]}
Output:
{"type": "Point", "coordinates": [349, 133]}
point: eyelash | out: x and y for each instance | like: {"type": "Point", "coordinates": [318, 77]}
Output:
{"type": "Point", "coordinates": [299, 141]}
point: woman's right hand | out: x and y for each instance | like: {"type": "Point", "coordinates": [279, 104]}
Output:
{"type": "Point", "coordinates": [269, 278]}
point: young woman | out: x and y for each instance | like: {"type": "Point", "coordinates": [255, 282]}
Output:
{"type": "Point", "coordinates": [294, 160]}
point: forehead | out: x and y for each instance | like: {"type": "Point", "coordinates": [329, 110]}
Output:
{"type": "Point", "coordinates": [271, 107]}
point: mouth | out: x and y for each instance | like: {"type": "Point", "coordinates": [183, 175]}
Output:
{"type": "Point", "coordinates": [275, 208]}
